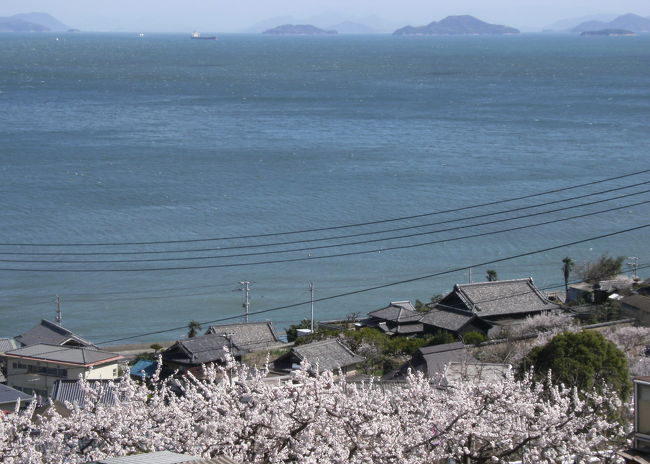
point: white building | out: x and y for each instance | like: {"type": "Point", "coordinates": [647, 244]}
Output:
{"type": "Point", "coordinates": [34, 369]}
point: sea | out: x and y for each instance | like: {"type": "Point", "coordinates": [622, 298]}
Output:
{"type": "Point", "coordinates": [142, 178]}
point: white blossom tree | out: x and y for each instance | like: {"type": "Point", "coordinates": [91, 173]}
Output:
{"type": "Point", "coordinates": [319, 419]}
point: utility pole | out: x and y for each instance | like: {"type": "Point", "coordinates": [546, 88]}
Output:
{"type": "Point", "coordinates": [58, 310]}
{"type": "Point", "coordinates": [470, 275]}
{"type": "Point", "coordinates": [245, 287]}
{"type": "Point", "coordinates": [634, 263]}
{"type": "Point", "coordinates": [229, 335]}
{"type": "Point", "coordinates": [311, 292]}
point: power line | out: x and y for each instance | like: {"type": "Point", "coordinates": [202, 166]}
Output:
{"type": "Point", "coordinates": [392, 284]}
{"type": "Point", "coordinates": [288, 260]}
{"type": "Point", "coordinates": [338, 237]}
{"type": "Point", "coordinates": [320, 229]}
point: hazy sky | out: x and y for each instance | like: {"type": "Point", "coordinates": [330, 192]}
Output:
{"type": "Point", "coordinates": [229, 16]}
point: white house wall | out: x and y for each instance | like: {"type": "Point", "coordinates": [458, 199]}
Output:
{"type": "Point", "coordinates": [20, 379]}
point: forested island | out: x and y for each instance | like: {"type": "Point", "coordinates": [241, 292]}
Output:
{"type": "Point", "coordinates": [457, 25]}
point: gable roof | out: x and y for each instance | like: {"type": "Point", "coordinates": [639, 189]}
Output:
{"type": "Point", "coordinates": [397, 311]}
{"type": "Point", "coordinates": [8, 344]}
{"type": "Point", "coordinates": [638, 302]}
{"type": "Point", "coordinates": [201, 350]}
{"type": "Point", "coordinates": [10, 395]}
{"type": "Point", "coordinates": [50, 333]}
{"type": "Point", "coordinates": [251, 336]}
{"type": "Point", "coordinates": [72, 355]}
{"type": "Point", "coordinates": [447, 318]}
{"type": "Point", "coordinates": [437, 357]}
{"type": "Point", "coordinates": [501, 297]}
{"type": "Point", "coordinates": [328, 354]}
{"type": "Point", "coordinates": [70, 390]}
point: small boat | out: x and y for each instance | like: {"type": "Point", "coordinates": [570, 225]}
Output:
{"type": "Point", "coordinates": [197, 35]}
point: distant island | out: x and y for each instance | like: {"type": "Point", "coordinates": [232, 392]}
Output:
{"type": "Point", "coordinates": [609, 32]}
{"type": "Point", "coordinates": [32, 22]}
{"type": "Point", "coordinates": [629, 22]}
{"type": "Point", "coordinates": [457, 25]}
{"type": "Point", "coordinates": [298, 29]}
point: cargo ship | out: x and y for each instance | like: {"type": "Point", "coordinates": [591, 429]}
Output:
{"type": "Point", "coordinates": [197, 35]}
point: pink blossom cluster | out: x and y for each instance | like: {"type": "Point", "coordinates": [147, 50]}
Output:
{"type": "Point", "coordinates": [320, 419]}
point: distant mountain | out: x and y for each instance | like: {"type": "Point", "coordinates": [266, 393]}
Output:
{"type": "Point", "coordinates": [455, 25]}
{"type": "Point", "coordinates": [297, 29]}
{"type": "Point", "coordinates": [564, 25]}
{"type": "Point", "coordinates": [609, 32]}
{"type": "Point", "coordinates": [349, 27]}
{"type": "Point", "coordinates": [632, 22]}
{"type": "Point", "coordinates": [43, 19]}
{"type": "Point", "coordinates": [19, 25]}
{"type": "Point", "coordinates": [269, 23]}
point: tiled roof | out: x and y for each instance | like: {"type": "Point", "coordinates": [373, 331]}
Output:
{"type": "Point", "coordinates": [446, 318]}
{"type": "Point", "coordinates": [71, 391]}
{"type": "Point", "coordinates": [8, 344]}
{"type": "Point", "coordinates": [81, 356]}
{"type": "Point", "coordinates": [397, 311]}
{"type": "Point", "coordinates": [437, 357]}
{"type": "Point", "coordinates": [639, 302]}
{"type": "Point", "coordinates": [329, 354]}
{"type": "Point", "coordinates": [409, 329]}
{"type": "Point", "coordinates": [158, 457]}
{"type": "Point", "coordinates": [250, 336]}
{"type": "Point", "coordinates": [501, 297]}
{"type": "Point", "coordinates": [11, 395]}
{"type": "Point", "coordinates": [201, 350]}
{"type": "Point", "coordinates": [49, 333]}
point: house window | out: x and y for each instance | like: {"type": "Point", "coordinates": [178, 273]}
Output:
{"type": "Point", "coordinates": [47, 371]}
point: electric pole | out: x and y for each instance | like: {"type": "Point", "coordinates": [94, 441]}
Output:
{"type": "Point", "coordinates": [58, 310]}
{"type": "Point", "coordinates": [229, 335]}
{"type": "Point", "coordinates": [311, 292]}
{"type": "Point", "coordinates": [634, 263]}
{"type": "Point", "coordinates": [245, 287]}
{"type": "Point", "coordinates": [470, 275]}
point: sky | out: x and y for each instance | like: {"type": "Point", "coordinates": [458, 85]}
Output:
{"type": "Point", "coordinates": [240, 15]}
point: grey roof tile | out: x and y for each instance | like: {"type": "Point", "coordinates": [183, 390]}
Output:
{"type": "Point", "coordinates": [436, 358]}
{"type": "Point", "coordinates": [501, 297]}
{"type": "Point", "coordinates": [639, 302]}
{"type": "Point", "coordinates": [82, 356]}
{"type": "Point", "coordinates": [397, 311]}
{"type": "Point", "coordinates": [446, 318]}
{"type": "Point", "coordinates": [11, 395]}
{"type": "Point", "coordinates": [8, 344]}
{"type": "Point", "coordinates": [251, 336]}
{"type": "Point", "coordinates": [329, 354]}
{"type": "Point", "coordinates": [50, 333]}
{"type": "Point", "coordinates": [71, 391]}
{"type": "Point", "coordinates": [158, 457]}
{"type": "Point", "coordinates": [201, 350]}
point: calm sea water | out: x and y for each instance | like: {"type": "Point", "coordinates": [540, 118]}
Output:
{"type": "Point", "coordinates": [116, 138]}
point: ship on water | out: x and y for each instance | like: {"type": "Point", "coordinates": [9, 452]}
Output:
{"type": "Point", "coordinates": [197, 35]}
